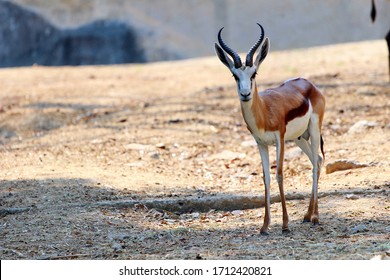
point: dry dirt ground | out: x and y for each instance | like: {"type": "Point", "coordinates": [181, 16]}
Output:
{"type": "Point", "coordinates": [75, 141]}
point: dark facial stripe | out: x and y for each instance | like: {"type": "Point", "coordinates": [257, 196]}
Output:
{"type": "Point", "coordinates": [297, 112]}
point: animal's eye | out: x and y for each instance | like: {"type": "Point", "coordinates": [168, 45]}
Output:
{"type": "Point", "coordinates": [235, 77]}
{"type": "Point", "coordinates": [254, 75]}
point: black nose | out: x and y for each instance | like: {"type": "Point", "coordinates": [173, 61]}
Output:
{"type": "Point", "coordinates": [245, 95]}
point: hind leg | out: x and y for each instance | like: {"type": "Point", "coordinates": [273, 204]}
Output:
{"type": "Point", "coordinates": [306, 148]}
{"type": "Point", "coordinates": [315, 139]}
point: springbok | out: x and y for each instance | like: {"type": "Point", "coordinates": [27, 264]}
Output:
{"type": "Point", "coordinates": [291, 111]}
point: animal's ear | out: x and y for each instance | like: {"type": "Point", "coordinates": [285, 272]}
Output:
{"type": "Point", "coordinates": [262, 53]}
{"type": "Point", "coordinates": [223, 57]}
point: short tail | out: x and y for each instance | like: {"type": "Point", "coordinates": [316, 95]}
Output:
{"type": "Point", "coordinates": [322, 148]}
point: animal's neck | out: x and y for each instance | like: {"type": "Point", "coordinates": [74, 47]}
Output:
{"type": "Point", "coordinates": [253, 111]}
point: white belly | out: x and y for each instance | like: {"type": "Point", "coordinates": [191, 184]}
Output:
{"type": "Point", "coordinates": [298, 126]}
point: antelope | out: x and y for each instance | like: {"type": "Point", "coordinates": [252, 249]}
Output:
{"type": "Point", "coordinates": [292, 111]}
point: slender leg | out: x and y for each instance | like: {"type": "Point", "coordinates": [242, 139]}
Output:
{"type": "Point", "coordinates": [306, 148]}
{"type": "Point", "coordinates": [279, 177]}
{"type": "Point", "coordinates": [312, 214]}
{"type": "Point", "coordinates": [263, 149]}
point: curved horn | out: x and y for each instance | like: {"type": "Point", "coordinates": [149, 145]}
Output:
{"type": "Point", "coordinates": [251, 52]}
{"type": "Point", "coordinates": [233, 54]}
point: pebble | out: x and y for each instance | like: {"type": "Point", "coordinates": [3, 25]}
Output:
{"type": "Point", "coordinates": [352, 196]}
{"type": "Point", "coordinates": [293, 153]}
{"type": "Point", "coordinates": [161, 146]}
{"type": "Point", "coordinates": [227, 155]}
{"type": "Point", "coordinates": [195, 215]}
{"type": "Point", "coordinates": [118, 236]}
{"type": "Point", "coordinates": [359, 228]}
{"type": "Point", "coordinates": [237, 212]}
{"type": "Point", "coordinates": [343, 164]}
{"type": "Point", "coordinates": [154, 155]}
{"type": "Point", "coordinates": [361, 126]}
{"type": "Point", "coordinates": [117, 247]}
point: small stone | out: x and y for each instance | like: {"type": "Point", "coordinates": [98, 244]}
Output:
{"type": "Point", "coordinates": [169, 221]}
{"type": "Point", "coordinates": [195, 215]}
{"type": "Point", "coordinates": [335, 127]}
{"type": "Point", "coordinates": [343, 164]}
{"type": "Point", "coordinates": [161, 146]}
{"type": "Point", "coordinates": [117, 247]}
{"type": "Point", "coordinates": [154, 155]}
{"type": "Point", "coordinates": [118, 236]}
{"type": "Point", "coordinates": [237, 212]}
{"type": "Point", "coordinates": [359, 228]}
{"type": "Point", "coordinates": [293, 153]}
{"type": "Point", "coordinates": [351, 196]}
{"type": "Point", "coordinates": [361, 126]}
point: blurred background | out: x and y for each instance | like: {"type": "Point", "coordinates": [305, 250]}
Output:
{"type": "Point", "coordinates": [78, 32]}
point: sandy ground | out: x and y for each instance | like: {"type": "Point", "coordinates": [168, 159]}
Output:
{"type": "Point", "coordinates": [74, 137]}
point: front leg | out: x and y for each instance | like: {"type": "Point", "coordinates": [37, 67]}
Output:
{"type": "Point", "coordinates": [263, 149]}
{"type": "Point", "coordinates": [279, 177]}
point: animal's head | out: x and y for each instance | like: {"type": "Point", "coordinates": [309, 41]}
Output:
{"type": "Point", "coordinates": [243, 74]}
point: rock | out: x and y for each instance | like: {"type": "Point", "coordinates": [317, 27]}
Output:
{"type": "Point", "coordinates": [117, 247]}
{"type": "Point", "coordinates": [237, 212]}
{"type": "Point", "coordinates": [293, 153]}
{"type": "Point", "coordinates": [343, 164]}
{"type": "Point", "coordinates": [335, 127]}
{"type": "Point", "coordinates": [361, 126]}
{"type": "Point", "coordinates": [169, 221]}
{"type": "Point", "coordinates": [154, 155]}
{"type": "Point", "coordinates": [161, 146]}
{"type": "Point", "coordinates": [195, 215]}
{"type": "Point", "coordinates": [358, 229]}
{"type": "Point", "coordinates": [27, 39]}
{"type": "Point", "coordinates": [118, 236]}
{"type": "Point", "coordinates": [351, 196]}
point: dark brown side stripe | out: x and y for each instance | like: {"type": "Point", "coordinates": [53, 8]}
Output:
{"type": "Point", "coordinates": [297, 112]}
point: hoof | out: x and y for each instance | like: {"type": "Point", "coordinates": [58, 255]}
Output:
{"type": "Point", "coordinates": [286, 231]}
{"type": "Point", "coordinates": [315, 224]}
{"type": "Point", "coordinates": [264, 232]}
{"type": "Point", "coordinates": [315, 221]}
